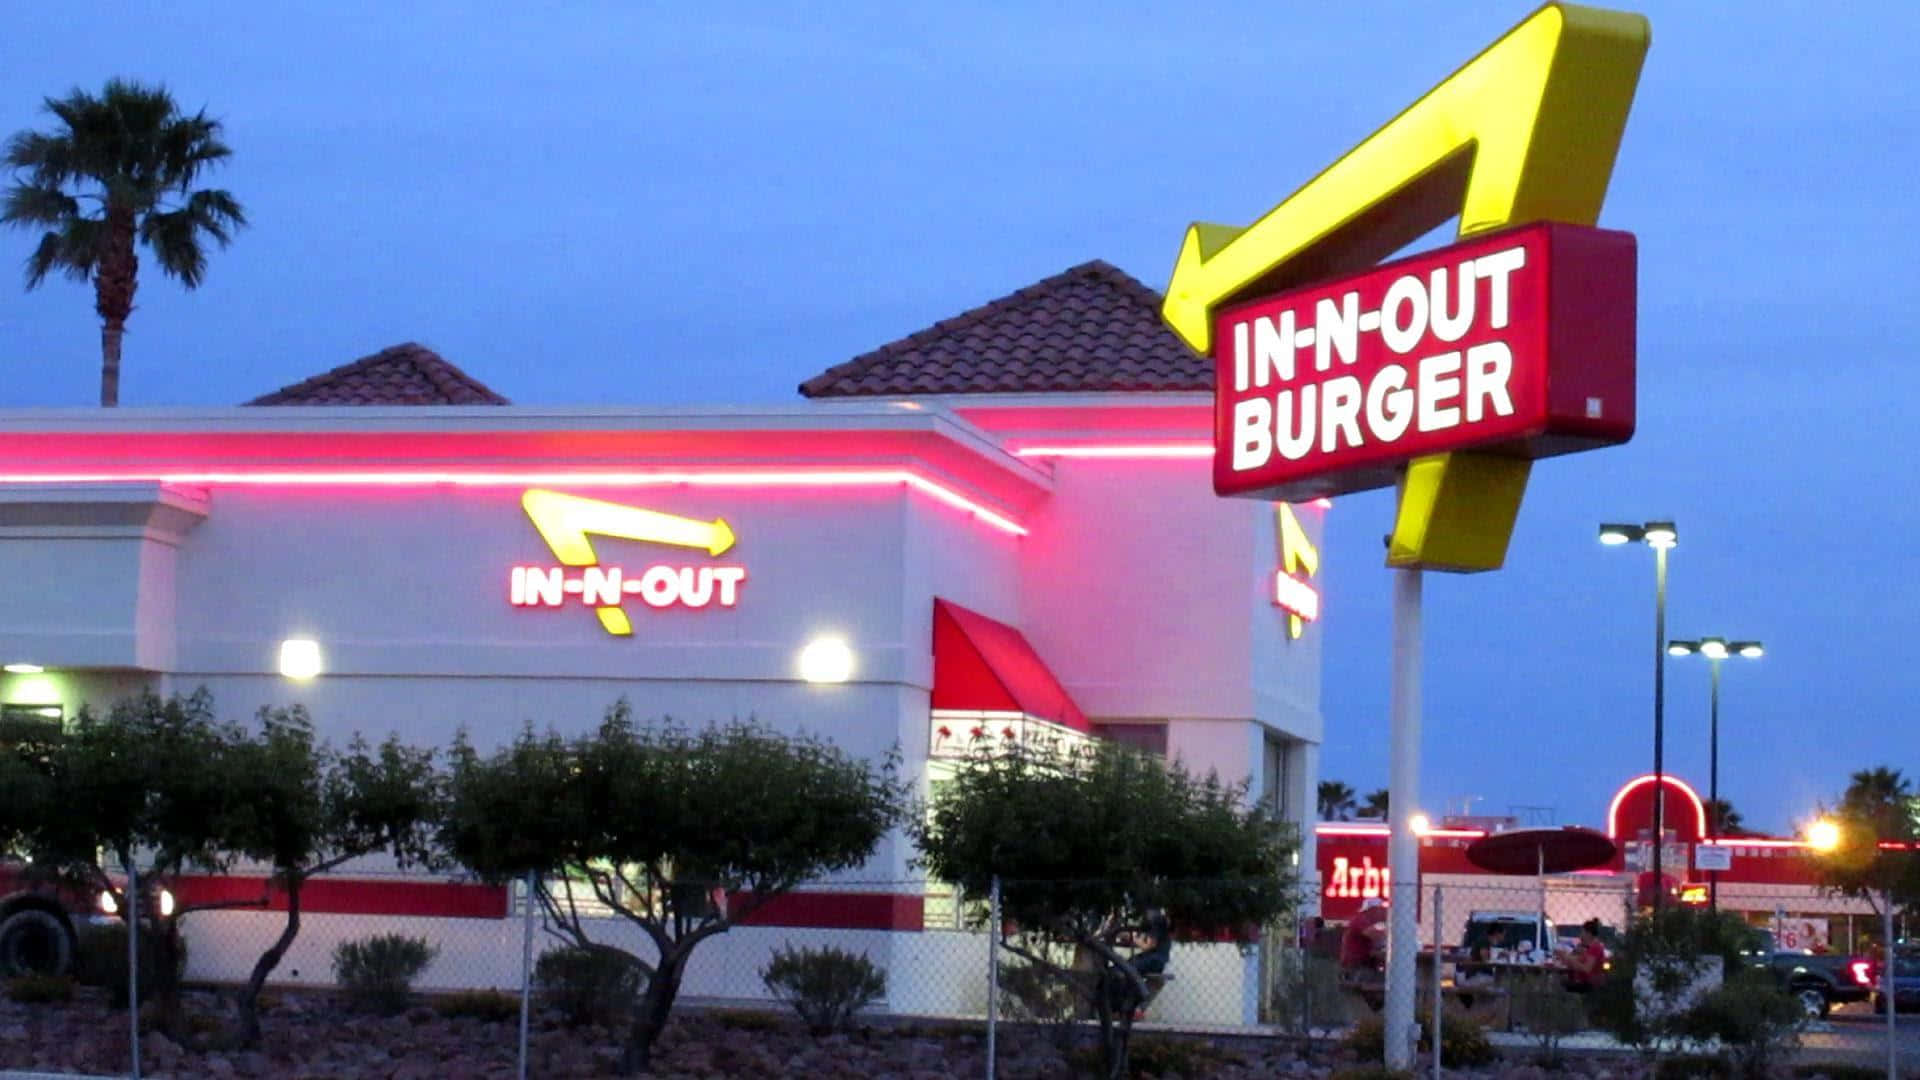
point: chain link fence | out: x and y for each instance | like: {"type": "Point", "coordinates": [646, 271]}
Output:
{"type": "Point", "coordinates": [1537, 965]}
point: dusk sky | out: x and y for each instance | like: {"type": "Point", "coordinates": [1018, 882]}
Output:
{"type": "Point", "coordinates": [706, 203]}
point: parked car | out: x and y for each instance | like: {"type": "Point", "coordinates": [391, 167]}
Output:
{"type": "Point", "coordinates": [1818, 981]}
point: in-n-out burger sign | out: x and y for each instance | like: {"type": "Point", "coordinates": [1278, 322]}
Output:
{"type": "Point", "coordinates": [1519, 342]}
{"type": "Point", "coordinates": [566, 521]}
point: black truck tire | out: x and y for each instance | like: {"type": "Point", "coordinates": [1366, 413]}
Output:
{"type": "Point", "coordinates": [35, 941]}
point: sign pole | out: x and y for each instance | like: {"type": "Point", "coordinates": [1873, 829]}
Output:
{"type": "Point", "coordinates": [1403, 800]}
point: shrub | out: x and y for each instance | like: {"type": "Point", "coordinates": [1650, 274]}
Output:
{"type": "Point", "coordinates": [757, 1022]}
{"type": "Point", "coordinates": [1178, 1057]}
{"type": "Point", "coordinates": [1305, 993]}
{"type": "Point", "coordinates": [1370, 1072]}
{"type": "Point", "coordinates": [825, 986]}
{"type": "Point", "coordinates": [1660, 953]}
{"type": "Point", "coordinates": [1547, 1012]}
{"type": "Point", "coordinates": [588, 985]}
{"type": "Point", "coordinates": [377, 972]}
{"type": "Point", "coordinates": [490, 1006]}
{"type": "Point", "coordinates": [101, 960]}
{"type": "Point", "coordinates": [1690, 1067]}
{"type": "Point", "coordinates": [40, 989]}
{"type": "Point", "coordinates": [1756, 1023]}
{"type": "Point", "coordinates": [1463, 1042]}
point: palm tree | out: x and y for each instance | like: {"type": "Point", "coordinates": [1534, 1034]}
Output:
{"type": "Point", "coordinates": [1336, 801]}
{"type": "Point", "coordinates": [1728, 819]}
{"type": "Point", "coordinates": [1376, 804]}
{"type": "Point", "coordinates": [118, 169]}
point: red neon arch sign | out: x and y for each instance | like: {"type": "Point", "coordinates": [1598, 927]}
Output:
{"type": "Point", "coordinates": [1692, 798]}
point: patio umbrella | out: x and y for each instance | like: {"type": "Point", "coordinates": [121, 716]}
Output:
{"type": "Point", "coordinates": [1541, 852]}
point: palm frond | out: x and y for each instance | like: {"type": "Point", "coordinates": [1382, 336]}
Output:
{"type": "Point", "coordinates": [48, 159]}
{"type": "Point", "coordinates": [174, 237]}
{"type": "Point", "coordinates": [36, 205]}
{"type": "Point", "coordinates": [71, 250]}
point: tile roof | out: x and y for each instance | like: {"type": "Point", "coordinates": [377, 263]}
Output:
{"type": "Point", "coordinates": [406, 374]}
{"type": "Point", "coordinates": [1091, 329]}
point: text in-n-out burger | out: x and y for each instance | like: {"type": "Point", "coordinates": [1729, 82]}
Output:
{"type": "Point", "coordinates": [1519, 342]}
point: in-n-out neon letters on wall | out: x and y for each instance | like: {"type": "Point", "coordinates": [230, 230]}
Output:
{"type": "Point", "coordinates": [565, 521]}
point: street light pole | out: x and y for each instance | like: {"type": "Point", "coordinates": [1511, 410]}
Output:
{"type": "Point", "coordinates": [1659, 721]}
{"type": "Point", "coordinates": [1713, 779]}
{"type": "Point", "coordinates": [1661, 536]}
{"type": "Point", "coordinates": [1716, 650]}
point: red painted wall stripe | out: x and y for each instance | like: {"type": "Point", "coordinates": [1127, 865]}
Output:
{"type": "Point", "coordinates": [466, 900]}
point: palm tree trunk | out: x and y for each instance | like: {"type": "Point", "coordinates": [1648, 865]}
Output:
{"type": "Point", "coordinates": [114, 279]}
{"type": "Point", "coordinates": [110, 334]}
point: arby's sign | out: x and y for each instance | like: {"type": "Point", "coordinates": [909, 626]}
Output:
{"type": "Point", "coordinates": [1519, 342]}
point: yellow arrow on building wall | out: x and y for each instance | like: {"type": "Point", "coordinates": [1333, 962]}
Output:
{"type": "Point", "coordinates": [565, 521]}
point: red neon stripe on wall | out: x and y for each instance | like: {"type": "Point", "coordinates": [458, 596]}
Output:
{"type": "Point", "coordinates": [463, 900]}
{"type": "Point", "coordinates": [843, 911]}
{"type": "Point", "coordinates": [343, 896]}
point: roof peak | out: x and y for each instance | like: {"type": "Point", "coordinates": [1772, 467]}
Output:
{"type": "Point", "coordinates": [1090, 328]}
{"type": "Point", "coordinates": [405, 374]}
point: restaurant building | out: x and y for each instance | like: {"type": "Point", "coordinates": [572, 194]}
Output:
{"type": "Point", "coordinates": [1772, 881]}
{"type": "Point", "coordinates": [999, 527]}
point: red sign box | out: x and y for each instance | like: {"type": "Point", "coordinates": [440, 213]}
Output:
{"type": "Point", "coordinates": [1519, 342]}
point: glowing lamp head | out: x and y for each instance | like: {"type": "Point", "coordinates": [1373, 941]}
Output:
{"type": "Point", "coordinates": [21, 668]}
{"type": "Point", "coordinates": [1615, 535]}
{"type": "Point", "coordinates": [1661, 534]}
{"type": "Point", "coordinates": [1420, 824]}
{"type": "Point", "coordinates": [300, 658]}
{"type": "Point", "coordinates": [1713, 648]}
{"type": "Point", "coordinates": [1682, 648]}
{"type": "Point", "coordinates": [826, 660]}
{"type": "Point", "coordinates": [1823, 835]}
{"type": "Point", "coordinates": [1749, 649]}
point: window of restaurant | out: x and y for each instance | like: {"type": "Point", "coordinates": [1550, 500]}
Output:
{"type": "Point", "coordinates": [1275, 779]}
{"type": "Point", "coordinates": [1144, 736]}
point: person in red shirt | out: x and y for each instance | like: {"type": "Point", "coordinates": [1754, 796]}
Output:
{"type": "Point", "coordinates": [1360, 942]}
{"type": "Point", "coordinates": [1587, 963]}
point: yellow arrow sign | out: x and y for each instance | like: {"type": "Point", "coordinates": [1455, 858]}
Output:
{"type": "Point", "coordinates": [1296, 553]}
{"type": "Point", "coordinates": [565, 521]}
{"type": "Point", "coordinates": [1526, 131]}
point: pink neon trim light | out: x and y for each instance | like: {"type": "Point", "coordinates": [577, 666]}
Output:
{"type": "Point", "coordinates": [1613, 808]}
{"type": "Point", "coordinates": [1135, 452]}
{"type": "Point", "coordinates": [1327, 829]}
{"type": "Point", "coordinates": [1145, 450]}
{"type": "Point", "coordinates": [424, 478]}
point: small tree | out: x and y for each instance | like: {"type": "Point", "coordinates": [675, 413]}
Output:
{"type": "Point", "coordinates": [149, 779]}
{"type": "Point", "coordinates": [1878, 806]}
{"type": "Point", "coordinates": [308, 809]}
{"type": "Point", "coordinates": [683, 833]}
{"type": "Point", "coordinates": [1086, 845]}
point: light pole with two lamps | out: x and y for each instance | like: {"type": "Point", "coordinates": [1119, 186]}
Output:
{"type": "Point", "coordinates": [1715, 650]}
{"type": "Point", "coordinates": [1661, 536]}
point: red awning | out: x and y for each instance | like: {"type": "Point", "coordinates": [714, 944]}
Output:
{"type": "Point", "coordinates": [983, 665]}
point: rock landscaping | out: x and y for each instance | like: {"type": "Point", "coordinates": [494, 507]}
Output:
{"type": "Point", "coordinates": [311, 1035]}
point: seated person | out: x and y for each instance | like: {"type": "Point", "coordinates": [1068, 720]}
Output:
{"type": "Point", "coordinates": [1153, 947]}
{"type": "Point", "coordinates": [1587, 963]}
{"type": "Point", "coordinates": [1483, 954]}
{"type": "Point", "coordinates": [1361, 943]}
